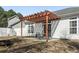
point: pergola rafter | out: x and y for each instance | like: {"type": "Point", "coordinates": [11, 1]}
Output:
{"type": "Point", "coordinates": [39, 17]}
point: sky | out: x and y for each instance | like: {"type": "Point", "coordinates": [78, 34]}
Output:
{"type": "Point", "coordinates": [28, 10]}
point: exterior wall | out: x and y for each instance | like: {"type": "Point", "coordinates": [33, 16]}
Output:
{"type": "Point", "coordinates": [25, 31]}
{"type": "Point", "coordinates": [38, 28]}
{"type": "Point", "coordinates": [62, 30]}
{"type": "Point", "coordinates": [75, 36]}
{"type": "Point", "coordinates": [17, 28]}
{"type": "Point", "coordinates": [6, 32]}
{"type": "Point", "coordinates": [13, 20]}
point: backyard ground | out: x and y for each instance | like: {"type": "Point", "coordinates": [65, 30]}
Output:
{"type": "Point", "coordinates": [33, 45]}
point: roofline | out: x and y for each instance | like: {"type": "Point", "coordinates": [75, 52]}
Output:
{"type": "Point", "coordinates": [12, 17]}
{"type": "Point", "coordinates": [70, 14]}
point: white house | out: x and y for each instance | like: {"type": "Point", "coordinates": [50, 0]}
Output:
{"type": "Point", "coordinates": [65, 27]}
{"type": "Point", "coordinates": [68, 26]}
{"type": "Point", "coordinates": [14, 23]}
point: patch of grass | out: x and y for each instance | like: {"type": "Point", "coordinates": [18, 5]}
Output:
{"type": "Point", "coordinates": [40, 46]}
{"type": "Point", "coordinates": [72, 43]}
{"type": "Point", "coordinates": [75, 44]}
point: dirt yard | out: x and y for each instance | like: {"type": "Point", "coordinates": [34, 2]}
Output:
{"type": "Point", "coordinates": [27, 45]}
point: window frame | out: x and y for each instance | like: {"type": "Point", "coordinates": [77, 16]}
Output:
{"type": "Point", "coordinates": [30, 28]}
{"type": "Point", "coordinates": [73, 26]}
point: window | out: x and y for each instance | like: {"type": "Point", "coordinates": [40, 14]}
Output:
{"type": "Point", "coordinates": [73, 27]}
{"type": "Point", "coordinates": [73, 18]}
{"type": "Point", "coordinates": [73, 23]}
{"type": "Point", "coordinates": [30, 29]}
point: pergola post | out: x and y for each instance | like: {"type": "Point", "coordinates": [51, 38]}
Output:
{"type": "Point", "coordinates": [46, 34]}
{"type": "Point", "coordinates": [21, 28]}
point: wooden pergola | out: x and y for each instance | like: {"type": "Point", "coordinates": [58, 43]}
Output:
{"type": "Point", "coordinates": [41, 17]}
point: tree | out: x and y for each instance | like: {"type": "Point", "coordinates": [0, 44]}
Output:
{"type": "Point", "coordinates": [1, 10]}
{"type": "Point", "coordinates": [11, 13]}
{"type": "Point", "coordinates": [19, 14]}
{"type": "Point", "coordinates": [4, 15]}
